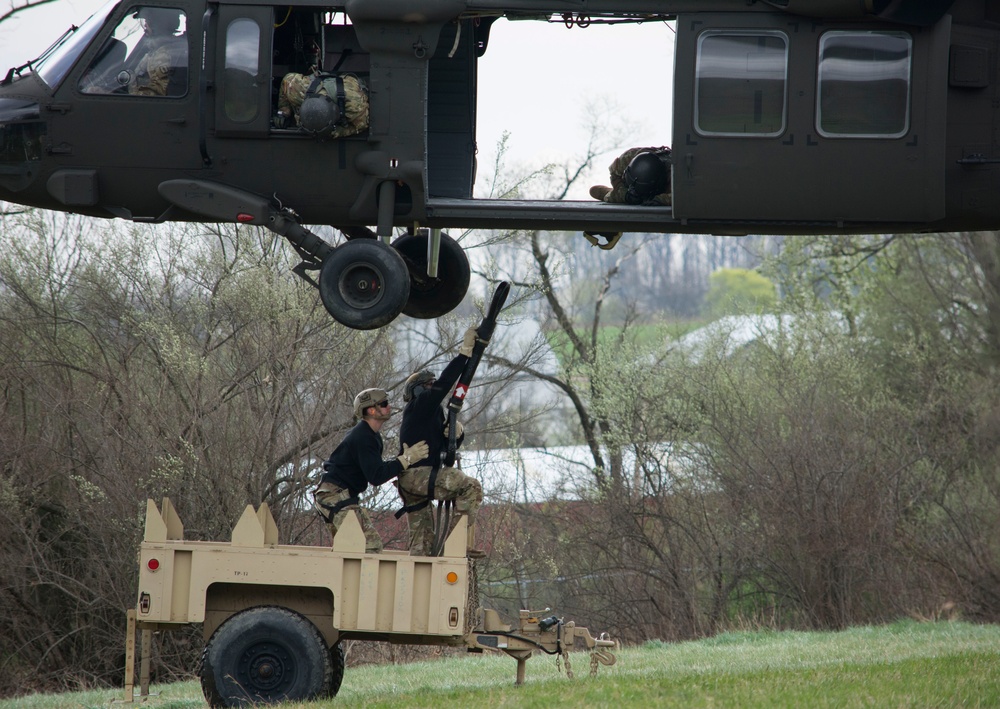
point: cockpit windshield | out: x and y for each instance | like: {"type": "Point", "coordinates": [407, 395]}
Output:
{"type": "Point", "coordinates": [53, 65]}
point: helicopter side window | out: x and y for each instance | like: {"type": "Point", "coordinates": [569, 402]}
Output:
{"type": "Point", "coordinates": [240, 77]}
{"type": "Point", "coordinates": [147, 55]}
{"type": "Point", "coordinates": [741, 83]}
{"type": "Point", "coordinates": [863, 84]}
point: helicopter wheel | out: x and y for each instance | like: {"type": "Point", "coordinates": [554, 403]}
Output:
{"type": "Point", "coordinates": [364, 284]}
{"type": "Point", "coordinates": [433, 297]}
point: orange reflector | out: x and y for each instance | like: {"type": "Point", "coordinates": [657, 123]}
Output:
{"type": "Point", "coordinates": [153, 564]}
{"type": "Point", "coordinates": [452, 577]}
{"type": "Point", "coordinates": [244, 218]}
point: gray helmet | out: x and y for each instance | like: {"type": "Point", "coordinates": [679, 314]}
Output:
{"type": "Point", "coordinates": [414, 380]}
{"type": "Point", "coordinates": [368, 397]}
{"type": "Point", "coordinates": [320, 114]}
{"type": "Point", "coordinates": [161, 20]}
{"type": "Point", "coordinates": [645, 177]}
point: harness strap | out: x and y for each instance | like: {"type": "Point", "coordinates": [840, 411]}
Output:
{"type": "Point", "coordinates": [417, 506]}
{"type": "Point", "coordinates": [314, 85]}
{"type": "Point", "coordinates": [340, 96]}
{"type": "Point", "coordinates": [343, 55]}
{"type": "Point", "coordinates": [331, 510]}
{"type": "Point", "coordinates": [341, 99]}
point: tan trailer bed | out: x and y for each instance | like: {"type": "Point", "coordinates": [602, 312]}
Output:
{"type": "Point", "coordinates": [317, 596]}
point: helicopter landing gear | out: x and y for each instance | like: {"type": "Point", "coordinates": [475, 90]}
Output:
{"type": "Point", "coordinates": [364, 284]}
{"type": "Point", "coordinates": [433, 296]}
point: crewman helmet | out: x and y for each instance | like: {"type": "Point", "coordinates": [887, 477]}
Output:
{"type": "Point", "coordinates": [645, 177]}
{"type": "Point", "coordinates": [415, 380]}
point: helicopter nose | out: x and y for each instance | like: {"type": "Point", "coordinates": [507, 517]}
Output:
{"type": "Point", "coordinates": [21, 136]}
{"type": "Point", "coordinates": [13, 110]}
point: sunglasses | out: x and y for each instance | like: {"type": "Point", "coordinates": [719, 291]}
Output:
{"type": "Point", "coordinates": [382, 404]}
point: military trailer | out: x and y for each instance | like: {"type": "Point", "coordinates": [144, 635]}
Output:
{"type": "Point", "coordinates": [274, 615]}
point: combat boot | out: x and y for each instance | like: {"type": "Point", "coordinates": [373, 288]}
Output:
{"type": "Point", "coordinates": [470, 550]}
{"type": "Point", "coordinates": [600, 192]}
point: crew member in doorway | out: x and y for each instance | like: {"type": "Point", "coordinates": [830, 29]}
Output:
{"type": "Point", "coordinates": [424, 419]}
{"type": "Point", "coordinates": [638, 176]}
{"type": "Point", "coordinates": [346, 91]}
{"type": "Point", "coordinates": [357, 463]}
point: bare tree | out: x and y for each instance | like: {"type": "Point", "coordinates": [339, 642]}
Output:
{"type": "Point", "coordinates": [16, 8]}
{"type": "Point", "coordinates": [187, 365]}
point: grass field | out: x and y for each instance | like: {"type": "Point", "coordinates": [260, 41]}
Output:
{"type": "Point", "coordinates": [907, 664]}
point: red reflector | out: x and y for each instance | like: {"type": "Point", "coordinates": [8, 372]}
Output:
{"type": "Point", "coordinates": [153, 564]}
{"type": "Point", "coordinates": [244, 218]}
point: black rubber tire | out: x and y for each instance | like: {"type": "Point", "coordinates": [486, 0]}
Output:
{"type": "Point", "coordinates": [432, 298]}
{"type": "Point", "coordinates": [265, 655]}
{"type": "Point", "coordinates": [337, 661]}
{"type": "Point", "coordinates": [364, 284]}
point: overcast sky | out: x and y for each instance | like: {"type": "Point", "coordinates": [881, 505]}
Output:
{"type": "Point", "coordinates": [535, 81]}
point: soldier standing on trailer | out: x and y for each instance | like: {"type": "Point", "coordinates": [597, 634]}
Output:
{"type": "Point", "coordinates": [357, 463]}
{"type": "Point", "coordinates": [424, 419]}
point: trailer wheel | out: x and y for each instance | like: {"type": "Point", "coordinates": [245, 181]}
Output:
{"type": "Point", "coordinates": [265, 655]}
{"type": "Point", "coordinates": [433, 297]}
{"type": "Point", "coordinates": [337, 660]}
{"type": "Point", "coordinates": [364, 284]}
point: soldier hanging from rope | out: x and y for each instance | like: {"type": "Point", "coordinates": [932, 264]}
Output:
{"type": "Point", "coordinates": [428, 480]}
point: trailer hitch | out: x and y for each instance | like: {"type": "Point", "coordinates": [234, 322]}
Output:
{"type": "Point", "coordinates": [551, 635]}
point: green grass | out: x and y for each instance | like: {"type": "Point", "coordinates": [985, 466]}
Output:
{"type": "Point", "coordinates": [907, 664]}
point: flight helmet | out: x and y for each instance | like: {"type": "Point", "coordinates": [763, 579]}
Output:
{"type": "Point", "coordinates": [160, 21]}
{"type": "Point", "coordinates": [645, 177]}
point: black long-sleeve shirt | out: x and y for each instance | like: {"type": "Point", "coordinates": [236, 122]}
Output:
{"type": "Point", "coordinates": [423, 416]}
{"type": "Point", "coordinates": [357, 462]}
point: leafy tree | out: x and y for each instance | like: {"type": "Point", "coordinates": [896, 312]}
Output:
{"type": "Point", "coordinates": [734, 291]}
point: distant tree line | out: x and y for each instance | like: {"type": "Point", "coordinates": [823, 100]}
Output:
{"type": "Point", "coordinates": [670, 280]}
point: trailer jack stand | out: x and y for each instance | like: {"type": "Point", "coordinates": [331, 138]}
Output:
{"type": "Point", "coordinates": [522, 660]}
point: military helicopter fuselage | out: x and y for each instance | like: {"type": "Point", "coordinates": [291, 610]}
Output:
{"type": "Point", "coordinates": [791, 116]}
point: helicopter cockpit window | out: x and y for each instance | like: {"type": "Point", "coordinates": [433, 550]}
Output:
{"type": "Point", "coordinates": [240, 79]}
{"type": "Point", "coordinates": [741, 82]}
{"type": "Point", "coordinates": [58, 59]}
{"type": "Point", "coordinates": [146, 56]}
{"type": "Point", "coordinates": [864, 84]}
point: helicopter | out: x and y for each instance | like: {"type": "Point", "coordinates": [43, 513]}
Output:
{"type": "Point", "coordinates": [789, 117]}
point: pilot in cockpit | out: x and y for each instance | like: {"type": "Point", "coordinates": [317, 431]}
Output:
{"type": "Point", "coordinates": [166, 50]}
{"type": "Point", "coordinates": [155, 65]}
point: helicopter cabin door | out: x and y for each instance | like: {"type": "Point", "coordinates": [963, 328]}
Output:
{"type": "Point", "coordinates": [451, 113]}
{"type": "Point", "coordinates": [781, 119]}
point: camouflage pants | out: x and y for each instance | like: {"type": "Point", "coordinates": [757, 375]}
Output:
{"type": "Point", "coordinates": [451, 484]}
{"type": "Point", "coordinates": [326, 496]}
